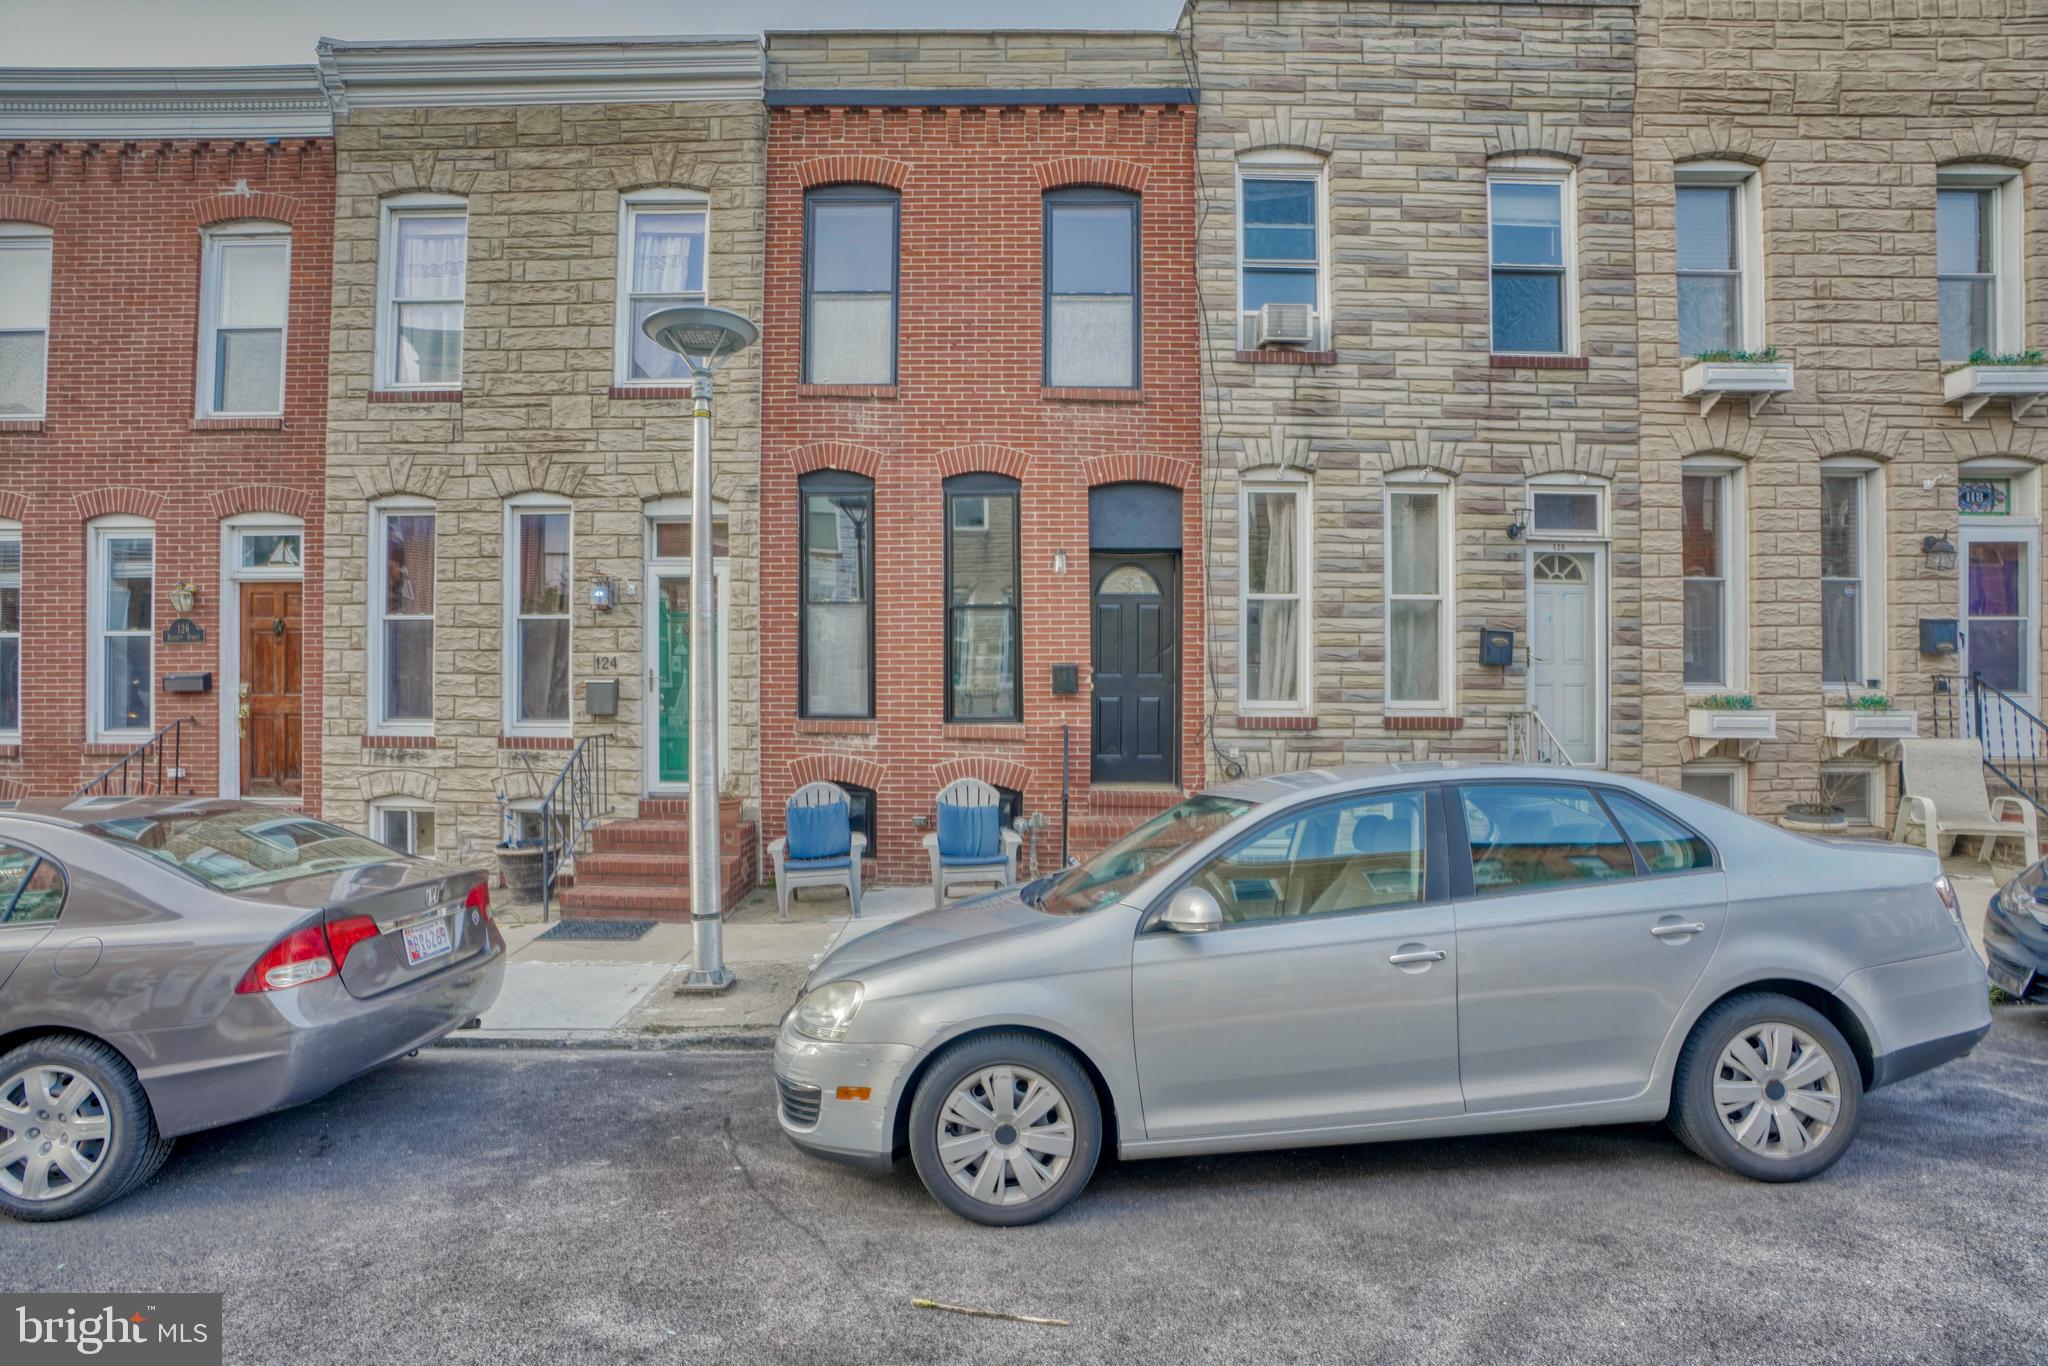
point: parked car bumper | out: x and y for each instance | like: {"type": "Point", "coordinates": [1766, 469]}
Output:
{"type": "Point", "coordinates": [2017, 946]}
{"type": "Point", "coordinates": [271, 1050]}
{"type": "Point", "coordinates": [811, 1072]}
{"type": "Point", "coordinates": [1921, 1012]}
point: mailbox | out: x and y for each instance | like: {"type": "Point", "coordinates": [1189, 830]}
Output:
{"type": "Point", "coordinates": [601, 697]}
{"type": "Point", "coordinates": [188, 682]}
{"type": "Point", "coordinates": [1066, 678]}
{"type": "Point", "coordinates": [1938, 636]}
{"type": "Point", "coordinates": [1496, 647]}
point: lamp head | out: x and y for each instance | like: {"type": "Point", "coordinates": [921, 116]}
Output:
{"type": "Point", "coordinates": [701, 335]}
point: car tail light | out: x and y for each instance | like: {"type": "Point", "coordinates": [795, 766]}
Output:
{"type": "Point", "coordinates": [343, 935]}
{"type": "Point", "coordinates": [1946, 890]}
{"type": "Point", "coordinates": [300, 957]}
{"type": "Point", "coordinates": [479, 899]}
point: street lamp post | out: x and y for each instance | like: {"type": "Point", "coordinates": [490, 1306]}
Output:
{"type": "Point", "coordinates": [704, 338]}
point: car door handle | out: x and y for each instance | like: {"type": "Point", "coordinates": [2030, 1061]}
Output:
{"type": "Point", "coordinates": [1669, 931]}
{"type": "Point", "coordinates": [1416, 956]}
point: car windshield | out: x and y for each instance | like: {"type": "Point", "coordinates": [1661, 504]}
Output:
{"type": "Point", "coordinates": [234, 850]}
{"type": "Point", "coordinates": [1116, 870]}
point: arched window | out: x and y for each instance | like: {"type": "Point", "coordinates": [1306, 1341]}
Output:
{"type": "Point", "coordinates": [1092, 252]}
{"type": "Point", "coordinates": [850, 255]}
{"type": "Point", "coordinates": [984, 679]}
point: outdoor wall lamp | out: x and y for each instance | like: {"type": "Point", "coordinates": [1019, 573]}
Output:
{"type": "Point", "coordinates": [1515, 530]}
{"type": "Point", "coordinates": [602, 594]}
{"type": "Point", "coordinates": [1940, 552]}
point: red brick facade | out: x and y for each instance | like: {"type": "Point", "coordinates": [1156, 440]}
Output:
{"type": "Point", "coordinates": [970, 397]}
{"type": "Point", "coordinates": [120, 435]}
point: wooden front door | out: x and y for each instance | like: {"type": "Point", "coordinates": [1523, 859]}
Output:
{"type": "Point", "coordinates": [270, 689]}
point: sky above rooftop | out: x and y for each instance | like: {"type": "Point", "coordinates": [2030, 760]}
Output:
{"type": "Point", "coordinates": [255, 32]}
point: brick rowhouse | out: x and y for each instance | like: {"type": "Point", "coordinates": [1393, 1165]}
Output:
{"type": "Point", "coordinates": [972, 169]}
{"type": "Point", "coordinates": [131, 175]}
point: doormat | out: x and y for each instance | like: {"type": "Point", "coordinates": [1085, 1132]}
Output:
{"type": "Point", "coordinates": [597, 929]}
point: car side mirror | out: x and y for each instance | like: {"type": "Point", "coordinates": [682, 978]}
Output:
{"type": "Point", "coordinates": [1192, 911]}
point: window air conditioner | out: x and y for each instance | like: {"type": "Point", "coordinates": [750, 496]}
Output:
{"type": "Point", "coordinates": [1284, 325]}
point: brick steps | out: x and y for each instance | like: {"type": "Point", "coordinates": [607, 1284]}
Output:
{"type": "Point", "coordinates": [640, 869]}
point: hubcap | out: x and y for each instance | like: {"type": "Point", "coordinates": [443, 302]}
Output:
{"type": "Point", "coordinates": [1005, 1135]}
{"type": "Point", "coordinates": [54, 1129]}
{"type": "Point", "coordinates": [1776, 1090]}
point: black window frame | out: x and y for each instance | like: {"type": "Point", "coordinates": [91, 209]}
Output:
{"type": "Point", "coordinates": [856, 193]}
{"type": "Point", "coordinates": [1462, 886]}
{"type": "Point", "coordinates": [828, 482]}
{"type": "Point", "coordinates": [1095, 195]}
{"type": "Point", "coordinates": [861, 805]}
{"type": "Point", "coordinates": [984, 486]}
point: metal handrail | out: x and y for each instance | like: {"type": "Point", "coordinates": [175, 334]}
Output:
{"type": "Point", "coordinates": [134, 768]}
{"type": "Point", "coordinates": [2012, 739]}
{"type": "Point", "coordinates": [1532, 741]}
{"type": "Point", "coordinates": [579, 797]}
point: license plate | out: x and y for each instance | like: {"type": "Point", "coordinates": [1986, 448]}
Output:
{"type": "Point", "coordinates": [427, 941]}
{"type": "Point", "coordinates": [2008, 979]}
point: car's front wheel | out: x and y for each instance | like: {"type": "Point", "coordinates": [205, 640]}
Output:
{"type": "Point", "coordinates": [1768, 1088]}
{"type": "Point", "coordinates": [75, 1128]}
{"type": "Point", "coordinates": [1005, 1128]}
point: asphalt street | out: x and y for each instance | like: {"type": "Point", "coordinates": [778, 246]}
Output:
{"type": "Point", "coordinates": [532, 1206]}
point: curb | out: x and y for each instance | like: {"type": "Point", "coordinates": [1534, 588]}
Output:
{"type": "Point", "coordinates": [617, 1041]}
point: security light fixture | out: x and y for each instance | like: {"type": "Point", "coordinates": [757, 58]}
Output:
{"type": "Point", "coordinates": [1940, 552]}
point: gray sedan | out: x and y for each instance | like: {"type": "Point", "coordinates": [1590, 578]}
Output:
{"type": "Point", "coordinates": [1388, 952]}
{"type": "Point", "coordinates": [167, 966]}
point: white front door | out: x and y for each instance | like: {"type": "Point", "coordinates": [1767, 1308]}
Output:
{"type": "Point", "coordinates": [1997, 567]}
{"type": "Point", "coordinates": [1564, 649]}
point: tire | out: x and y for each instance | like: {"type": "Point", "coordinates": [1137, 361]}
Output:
{"type": "Point", "coordinates": [1026, 1178]}
{"type": "Point", "coordinates": [110, 1130]}
{"type": "Point", "coordinates": [1785, 1134]}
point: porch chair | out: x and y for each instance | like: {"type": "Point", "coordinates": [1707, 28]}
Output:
{"type": "Point", "coordinates": [1943, 795]}
{"type": "Point", "coordinates": [820, 848]}
{"type": "Point", "coordinates": [970, 844]}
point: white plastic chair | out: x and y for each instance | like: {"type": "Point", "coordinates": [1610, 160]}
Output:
{"type": "Point", "coordinates": [791, 874]}
{"type": "Point", "coordinates": [999, 870]}
{"type": "Point", "coordinates": [1944, 796]}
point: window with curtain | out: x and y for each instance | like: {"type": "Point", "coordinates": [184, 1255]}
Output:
{"type": "Point", "coordinates": [1703, 552]}
{"type": "Point", "coordinates": [1965, 228]}
{"type": "Point", "coordinates": [24, 319]}
{"type": "Point", "coordinates": [10, 632]}
{"type": "Point", "coordinates": [1709, 269]}
{"type": "Point", "coordinates": [403, 682]}
{"type": "Point", "coordinates": [1271, 603]}
{"type": "Point", "coordinates": [850, 284]}
{"type": "Point", "coordinates": [1842, 588]}
{"type": "Point", "coordinates": [662, 241]}
{"type": "Point", "coordinates": [246, 289]}
{"type": "Point", "coordinates": [124, 589]}
{"type": "Point", "coordinates": [1528, 252]}
{"type": "Point", "coordinates": [983, 679]}
{"type": "Point", "coordinates": [1091, 289]}
{"type": "Point", "coordinates": [540, 615]}
{"type": "Point", "coordinates": [424, 286]}
{"type": "Point", "coordinates": [837, 663]}
{"type": "Point", "coordinates": [1416, 595]}
{"type": "Point", "coordinates": [1277, 236]}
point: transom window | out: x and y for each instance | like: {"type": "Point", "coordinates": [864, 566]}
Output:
{"type": "Point", "coordinates": [24, 318]}
{"type": "Point", "coordinates": [661, 265]}
{"type": "Point", "coordinates": [426, 253]}
{"type": "Point", "coordinates": [1575, 511]}
{"type": "Point", "coordinates": [984, 680]}
{"type": "Point", "coordinates": [850, 234]}
{"type": "Point", "coordinates": [245, 296]}
{"type": "Point", "coordinates": [1091, 289]}
{"type": "Point", "coordinates": [537, 561]}
{"type": "Point", "coordinates": [1365, 854]}
{"type": "Point", "coordinates": [1529, 232]}
{"type": "Point", "coordinates": [837, 660]}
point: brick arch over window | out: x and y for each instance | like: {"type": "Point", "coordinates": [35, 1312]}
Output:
{"type": "Point", "coordinates": [401, 474]}
{"type": "Point", "coordinates": [1984, 143]}
{"type": "Point", "coordinates": [1572, 456]}
{"type": "Point", "coordinates": [244, 498]}
{"type": "Point", "coordinates": [242, 208]}
{"type": "Point", "coordinates": [1277, 452]}
{"type": "Point", "coordinates": [995, 772]}
{"type": "Point", "coordinates": [1428, 451]}
{"type": "Point", "coordinates": [23, 208]}
{"type": "Point", "coordinates": [983, 458]}
{"type": "Point", "coordinates": [1132, 468]}
{"type": "Point", "coordinates": [836, 455]}
{"type": "Point", "coordinates": [1858, 431]}
{"type": "Point", "coordinates": [846, 769]}
{"type": "Point", "coordinates": [538, 473]}
{"type": "Point", "coordinates": [1719, 140]}
{"type": "Point", "coordinates": [1285, 131]}
{"type": "Point", "coordinates": [2000, 437]}
{"type": "Point", "coordinates": [13, 505]}
{"type": "Point", "coordinates": [1722, 432]}
{"type": "Point", "coordinates": [424, 173]}
{"type": "Point", "coordinates": [1540, 136]}
{"type": "Point", "coordinates": [852, 170]}
{"type": "Point", "coordinates": [413, 783]}
{"type": "Point", "coordinates": [106, 502]}
{"type": "Point", "coordinates": [1062, 172]}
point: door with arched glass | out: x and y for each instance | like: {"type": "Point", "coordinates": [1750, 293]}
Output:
{"type": "Point", "coordinates": [1136, 676]}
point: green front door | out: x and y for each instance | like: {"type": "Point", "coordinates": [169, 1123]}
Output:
{"type": "Point", "coordinates": [672, 660]}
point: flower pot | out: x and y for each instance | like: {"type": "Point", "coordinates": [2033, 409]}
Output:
{"type": "Point", "coordinates": [520, 866]}
{"type": "Point", "coordinates": [1807, 818]}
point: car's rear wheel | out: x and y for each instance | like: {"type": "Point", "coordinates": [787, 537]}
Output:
{"type": "Point", "coordinates": [75, 1128]}
{"type": "Point", "coordinates": [1005, 1128]}
{"type": "Point", "coordinates": [1768, 1088]}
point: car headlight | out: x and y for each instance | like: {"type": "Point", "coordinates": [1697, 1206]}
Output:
{"type": "Point", "coordinates": [827, 1012]}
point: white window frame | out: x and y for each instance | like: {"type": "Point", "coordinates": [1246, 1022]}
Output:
{"type": "Point", "coordinates": [1540, 170]}
{"type": "Point", "coordinates": [1565, 482]}
{"type": "Point", "coordinates": [10, 735]}
{"type": "Point", "coordinates": [1738, 780]}
{"type": "Point", "coordinates": [1748, 183]}
{"type": "Point", "coordinates": [1870, 591]}
{"type": "Point", "coordinates": [392, 210]}
{"type": "Point", "coordinates": [1734, 573]}
{"type": "Point", "coordinates": [2008, 247]}
{"type": "Point", "coordinates": [28, 237]}
{"type": "Point", "coordinates": [679, 510]}
{"type": "Point", "coordinates": [631, 205]}
{"type": "Point", "coordinates": [232, 577]}
{"type": "Point", "coordinates": [509, 626]}
{"type": "Point", "coordinates": [1868, 775]}
{"type": "Point", "coordinates": [219, 240]}
{"type": "Point", "coordinates": [98, 533]}
{"type": "Point", "coordinates": [1286, 163]}
{"type": "Point", "coordinates": [381, 512]}
{"type": "Point", "coordinates": [1299, 489]}
{"type": "Point", "coordinates": [412, 809]}
{"type": "Point", "coordinates": [1411, 482]}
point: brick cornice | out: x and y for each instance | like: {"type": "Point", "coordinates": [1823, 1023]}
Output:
{"type": "Point", "coordinates": [113, 499]}
{"type": "Point", "coordinates": [836, 768]}
{"type": "Point", "coordinates": [836, 455]}
{"type": "Point", "coordinates": [1063, 171]}
{"type": "Point", "coordinates": [24, 208]}
{"type": "Point", "coordinates": [234, 208]}
{"type": "Point", "coordinates": [995, 772]}
{"type": "Point", "coordinates": [983, 457]}
{"type": "Point", "coordinates": [13, 505]}
{"type": "Point", "coordinates": [241, 498]}
{"type": "Point", "coordinates": [852, 170]}
{"type": "Point", "coordinates": [1132, 468]}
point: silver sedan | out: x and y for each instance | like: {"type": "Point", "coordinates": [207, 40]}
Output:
{"type": "Point", "coordinates": [1388, 952]}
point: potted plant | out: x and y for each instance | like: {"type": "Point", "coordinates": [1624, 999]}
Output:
{"type": "Point", "coordinates": [1869, 716]}
{"type": "Point", "coordinates": [1815, 813]}
{"type": "Point", "coordinates": [2020, 377]}
{"type": "Point", "coordinates": [184, 597]}
{"type": "Point", "coordinates": [520, 865]}
{"type": "Point", "coordinates": [1755, 375]}
{"type": "Point", "coordinates": [1729, 716]}
{"type": "Point", "coordinates": [732, 798]}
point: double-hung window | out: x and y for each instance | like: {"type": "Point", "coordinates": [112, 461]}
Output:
{"type": "Point", "coordinates": [850, 254]}
{"type": "Point", "coordinates": [1274, 596]}
{"type": "Point", "coordinates": [1978, 231]}
{"type": "Point", "coordinates": [537, 587]}
{"type": "Point", "coordinates": [1091, 289]}
{"type": "Point", "coordinates": [1720, 246]}
{"type": "Point", "coordinates": [1418, 583]}
{"type": "Point", "coordinates": [838, 662]}
{"type": "Point", "coordinates": [245, 290]}
{"type": "Point", "coordinates": [406, 826]}
{"type": "Point", "coordinates": [10, 631]}
{"type": "Point", "coordinates": [1851, 596]}
{"type": "Point", "coordinates": [983, 679]}
{"type": "Point", "coordinates": [1710, 542]}
{"type": "Point", "coordinates": [1529, 216]}
{"type": "Point", "coordinates": [402, 608]}
{"type": "Point", "coordinates": [425, 263]}
{"type": "Point", "coordinates": [24, 319]}
{"type": "Point", "coordinates": [1279, 239]}
{"type": "Point", "coordinates": [120, 624]}
{"type": "Point", "coordinates": [661, 265]}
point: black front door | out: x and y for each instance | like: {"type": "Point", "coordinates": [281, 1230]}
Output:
{"type": "Point", "coordinates": [1137, 673]}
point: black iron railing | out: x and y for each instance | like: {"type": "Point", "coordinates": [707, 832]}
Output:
{"type": "Point", "coordinates": [579, 797]}
{"type": "Point", "coordinates": [154, 768]}
{"type": "Point", "coordinates": [2013, 739]}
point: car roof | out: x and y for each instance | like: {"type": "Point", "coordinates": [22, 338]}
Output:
{"type": "Point", "coordinates": [79, 812]}
{"type": "Point", "coordinates": [1307, 782]}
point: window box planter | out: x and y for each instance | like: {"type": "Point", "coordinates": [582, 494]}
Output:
{"type": "Point", "coordinates": [1973, 386]}
{"type": "Point", "coordinates": [1876, 733]}
{"type": "Point", "coordinates": [1728, 732]}
{"type": "Point", "coordinates": [1710, 381]}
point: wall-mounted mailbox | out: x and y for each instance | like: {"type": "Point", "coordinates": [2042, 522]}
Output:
{"type": "Point", "coordinates": [1938, 636]}
{"type": "Point", "coordinates": [1066, 678]}
{"type": "Point", "coordinates": [601, 697]}
{"type": "Point", "coordinates": [1496, 647]}
{"type": "Point", "coordinates": [188, 682]}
